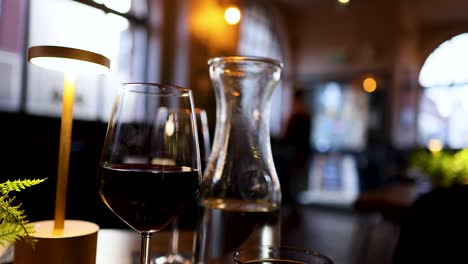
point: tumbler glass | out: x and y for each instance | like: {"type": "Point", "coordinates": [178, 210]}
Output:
{"type": "Point", "coordinates": [279, 255]}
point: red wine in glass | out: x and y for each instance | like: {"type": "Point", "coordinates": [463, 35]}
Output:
{"type": "Point", "coordinates": [148, 197]}
{"type": "Point", "coordinates": [150, 164]}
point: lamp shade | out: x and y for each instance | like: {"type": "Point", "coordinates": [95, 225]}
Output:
{"type": "Point", "coordinates": [65, 59]}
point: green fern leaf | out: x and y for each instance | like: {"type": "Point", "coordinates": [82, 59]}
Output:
{"type": "Point", "coordinates": [13, 223]}
{"type": "Point", "coordinates": [18, 185]}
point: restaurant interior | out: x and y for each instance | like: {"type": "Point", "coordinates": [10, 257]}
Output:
{"type": "Point", "coordinates": [366, 123]}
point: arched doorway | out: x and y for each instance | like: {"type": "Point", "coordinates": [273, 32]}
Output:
{"type": "Point", "coordinates": [443, 103]}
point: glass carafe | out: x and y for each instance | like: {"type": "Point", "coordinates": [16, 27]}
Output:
{"type": "Point", "coordinates": [240, 196]}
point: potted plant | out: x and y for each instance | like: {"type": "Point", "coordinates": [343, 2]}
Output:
{"type": "Point", "coordinates": [443, 168]}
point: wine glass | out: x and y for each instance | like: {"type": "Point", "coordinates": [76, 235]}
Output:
{"type": "Point", "coordinates": [173, 256]}
{"type": "Point", "coordinates": [203, 136]}
{"type": "Point", "coordinates": [150, 166]}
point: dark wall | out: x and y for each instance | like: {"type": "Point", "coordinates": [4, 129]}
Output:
{"type": "Point", "coordinates": [29, 150]}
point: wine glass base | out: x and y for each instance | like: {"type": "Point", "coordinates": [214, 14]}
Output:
{"type": "Point", "coordinates": [171, 259]}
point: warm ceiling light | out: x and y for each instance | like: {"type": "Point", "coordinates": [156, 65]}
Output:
{"type": "Point", "coordinates": [66, 59]}
{"type": "Point", "coordinates": [344, 2]}
{"type": "Point", "coordinates": [232, 15]}
{"type": "Point", "coordinates": [369, 84]}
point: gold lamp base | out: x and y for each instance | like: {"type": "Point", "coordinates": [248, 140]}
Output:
{"type": "Point", "coordinates": [76, 244]}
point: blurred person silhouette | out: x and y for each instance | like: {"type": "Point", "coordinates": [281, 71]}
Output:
{"type": "Point", "coordinates": [296, 142]}
{"type": "Point", "coordinates": [298, 127]}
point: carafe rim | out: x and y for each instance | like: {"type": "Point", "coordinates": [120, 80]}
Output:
{"type": "Point", "coordinates": [245, 58]}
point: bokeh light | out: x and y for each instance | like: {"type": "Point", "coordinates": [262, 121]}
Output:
{"type": "Point", "coordinates": [369, 84]}
{"type": "Point", "coordinates": [232, 15]}
{"type": "Point", "coordinates": [435, 145]}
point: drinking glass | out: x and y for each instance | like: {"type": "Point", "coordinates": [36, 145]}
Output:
{"type": "Point", "coordinates": [150, 166]}
{"type": "Point", "coordinates": [279, 255]}
{"type": "Point", "coordinates": [203, 136]}
{"type": "Point", "coordinates": [173, 256]}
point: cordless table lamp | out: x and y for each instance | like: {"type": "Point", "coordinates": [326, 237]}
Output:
{"type": "Point", "coordinates": [63, 241]}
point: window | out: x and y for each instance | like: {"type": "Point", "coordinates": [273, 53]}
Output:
{"type": "Point", "coordinates": [12, 31]}
{"type": "Point", "coordinates": [115, 28]}
{"type": "Point", "coordinates": [340, 117]}
{"type": "Point", "coordinates": [443, 105]}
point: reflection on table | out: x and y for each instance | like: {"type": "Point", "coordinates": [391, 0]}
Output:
{"type": "Point", "coordinates": [392, 201]}
{"type": "Point", "coordinates": [334, 232]}
{"type": "Point", "coordinates": [123, 246]}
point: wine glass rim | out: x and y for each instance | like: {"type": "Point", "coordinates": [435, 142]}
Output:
{"type": "Point", "coordinates": [281, 248]}
{"type": "Point", "coordinates": [245, 58]}
{"type": "Point", "coordinates": [182, 90]}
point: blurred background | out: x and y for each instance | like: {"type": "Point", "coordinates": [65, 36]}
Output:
{"type": "Point", "coordinates": [367, 85]}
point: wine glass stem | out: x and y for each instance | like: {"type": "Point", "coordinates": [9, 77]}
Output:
{"type": "Point", "coordinates": [145, 248]}
{"type": "Point", "coordinates": [175, 237]}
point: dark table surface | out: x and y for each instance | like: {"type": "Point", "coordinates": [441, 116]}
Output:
{"type": "Point", "coordinates": [332, 232]}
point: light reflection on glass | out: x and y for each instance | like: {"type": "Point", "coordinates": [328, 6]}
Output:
{"type": "Point", "coordinates": [170, 127]}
